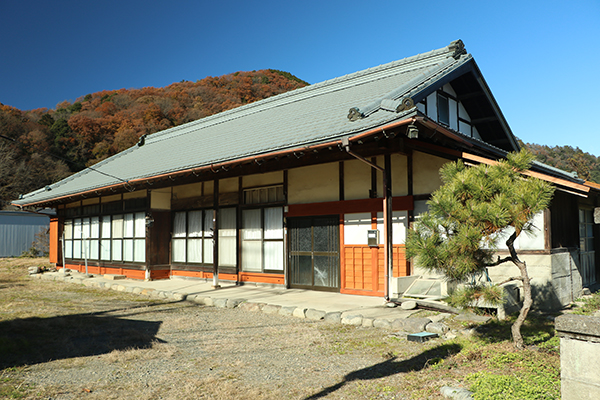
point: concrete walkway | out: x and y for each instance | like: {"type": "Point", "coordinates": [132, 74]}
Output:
{"type": "Point", "coordinates": [310, 304]}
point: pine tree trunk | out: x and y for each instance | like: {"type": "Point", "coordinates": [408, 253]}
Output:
{"type": "Point", "coordinates": [527, 302]}
{"type": "Point", "coordinates": [527, 298]}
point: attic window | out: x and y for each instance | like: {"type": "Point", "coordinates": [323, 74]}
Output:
{"type": "Point", "coordinates": [271, 194]}
{"type": "Point", "coordinates": [443, 109]}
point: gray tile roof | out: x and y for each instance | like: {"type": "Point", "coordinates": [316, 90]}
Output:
{"type": "Point", "coordinates": [313, 114]}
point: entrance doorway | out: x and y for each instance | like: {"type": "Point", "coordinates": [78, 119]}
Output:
{"type": "Point", "coordinates": [314, 254]}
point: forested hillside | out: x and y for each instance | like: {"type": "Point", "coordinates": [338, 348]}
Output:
{"type": "Point", "coordinates": [568, 159]}
{"type": "Point", "coordinates": [38, 147]}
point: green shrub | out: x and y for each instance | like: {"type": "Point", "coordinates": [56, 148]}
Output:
{"type": "Point", "coordinates": [521, 386]}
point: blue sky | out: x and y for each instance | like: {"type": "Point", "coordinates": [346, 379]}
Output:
{"type": "Point", "coordinates": [540, 58]}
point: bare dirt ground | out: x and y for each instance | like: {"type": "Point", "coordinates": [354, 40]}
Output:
{"type": "Point", "coordinates": [66, 341]}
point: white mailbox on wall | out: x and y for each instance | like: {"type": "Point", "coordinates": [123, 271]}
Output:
{"type": "Point", "coordinates": [373, 237]}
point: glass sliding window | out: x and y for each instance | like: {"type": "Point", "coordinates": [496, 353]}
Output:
{"type": "Point", "coordinates": [443, 109]}
{"type": "Point", "coordinates": [128, 225]}
{"type": "Point", "coordinates": [209, 242]}
{"type": "Point", "coordinates": [139, 243]}
{"type": "Point", "coordinates": [94, 238]}
{"type": "Point", "coordinates": [273, 244]}
{"type": "Point", "coordinates": [252, 240]}
{"type": "Point", "coordinates": [108, 238]}
{"type": "Point", "coordinates": [179, 237]}
{"type": "Point", "coordinates": [194, 242]}
{"type": "Point", "coordinates": [117, 237]}
{"type": "Point", "coordinates": [68, 238]}
{"type": "Point", "coordinates": [262, 239]}
{"type": "Point", "coordinates": [77, 234]}
{"type": "Point", "coordinates": [105, 241]}
{"type": "Point", "coordinates": [227, 237]}
{"type": "Point", "coordinates": [192, 237]}
{"type": "Point", "coordinates": [272, 194]}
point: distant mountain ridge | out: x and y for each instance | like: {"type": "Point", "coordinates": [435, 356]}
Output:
{"type": "Point", "coordinates": [41, 146]}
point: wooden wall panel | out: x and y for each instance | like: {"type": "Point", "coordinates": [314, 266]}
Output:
{"type": "Point", "coordinates": [54, 250]}
{"type": "Point", "coordinates": [364, 268]}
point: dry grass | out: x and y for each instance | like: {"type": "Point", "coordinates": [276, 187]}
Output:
{"type": "Point", "coordinates": [114, 345]}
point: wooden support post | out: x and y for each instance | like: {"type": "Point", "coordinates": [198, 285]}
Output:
{"type": "Point", "coordinates": [215, 284]}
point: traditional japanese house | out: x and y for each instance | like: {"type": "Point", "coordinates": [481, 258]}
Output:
{"type": "Point", "coordinates": [313, 188]}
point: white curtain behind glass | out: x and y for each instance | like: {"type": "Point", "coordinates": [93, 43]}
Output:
{"type": "Point", "coordinates": [251, 241]}
{"type": "Point", "coordinates": [274, 223]}
{"type": "Point", "coordinates": [227, 237]}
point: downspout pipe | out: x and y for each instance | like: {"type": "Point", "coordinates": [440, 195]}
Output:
{"type": "Point", "coordinates": [387, 216]}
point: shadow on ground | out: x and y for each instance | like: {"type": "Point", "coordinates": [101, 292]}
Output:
{"type": "Point", "coordinates": [391, 367]}
{"type": "Point", "coordinates": [36, 340]}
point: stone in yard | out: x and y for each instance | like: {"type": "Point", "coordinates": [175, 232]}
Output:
{"type": "Point", "coordinates": [220, 303]}
{"type": "Point", "coordinates": [177, 296]}
{"type": "Point", "coordinates": [355, 320]}
{"type": "Point", "coordinates": [437, 327]}
{"type": "Point", "coordinates": [233, 303]}
{"type": "Point", "coordinates": [368, 322]}
{"type": "Point", "coordinates": [470, 317]}
{"type": "Point", "coordinates": [333, 317]}
{"type": "Point", "coordinates": [456, 393]}
{"type": "Point", "coordinates": [287, 311]}
{"type": "Point", "coordinates": [409, 305]}
{"type": "Point", "coordinates": [209, 301]}
{"type": "Point", "coordinates": [34, 270]}
{"type": "Point", "coordinates": [271, 309]}
{"type": "Point", "coordinates": [254, 307]}
{"type": "Point", "coordinates": [382, 323]}
{"type": "Point", "coordinates": [299, 312]}
{"type": "Point", "coordinates": [411, 324]}
{"type": "Point", "coordinates": [315, 315]}
{"type": "Point", "coordinates": [439, 317]}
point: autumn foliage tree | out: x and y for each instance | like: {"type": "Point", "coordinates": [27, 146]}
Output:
{"type": "Point", "coordinates": [99, 125]}
{"type": "Point", "coordinates": [457, 236]}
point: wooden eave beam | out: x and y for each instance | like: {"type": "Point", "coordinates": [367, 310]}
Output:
{"type": "Point", "coordinates": [558, 181]}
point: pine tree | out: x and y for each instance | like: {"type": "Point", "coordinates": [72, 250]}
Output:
{"type": "Point", "coordinates": [457, 236]}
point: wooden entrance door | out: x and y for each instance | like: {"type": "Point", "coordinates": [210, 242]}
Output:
{"type": "Point", "coordinates": [314, 253]}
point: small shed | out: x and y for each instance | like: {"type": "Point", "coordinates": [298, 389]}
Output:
{"type": "Point", "coordinates": [18, 230]}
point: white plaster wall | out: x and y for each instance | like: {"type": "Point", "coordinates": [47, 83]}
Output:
{"type": "Point", "coordinates": [464, 128]}
{"type": "Point", "coordinates": [315, 183]}
{"type": "Point", "coordinates": [270, 178]}
{"type": "Point", "coordinates": [399, 175]}
{"type": "Point", "coordinates": [185, 191]}
{"type": "Point", "coordinates": [452, 107]}
{"type": "Point", "coordinates": [160, 199]}
{"type": "Point", "coordinates": [357, 180]}
{"type": "Point", "coordinates": [134, 195]}
{"type": "Point", "coordinates": [426, 172]}
{"type": "Point", "coordinates": [229, 185]}
{"type": "Point", "coordinates": [448, 89]}
{"type": "Point", "coordinates": [356, 226]}
{"type": "Point", "coordinates": [432, 106]}
{"type": "Point", "coordinates": [87, 202]}
{"type": "Point", "coordinates": [533, 241]}
{"type": "Point", "coordinates": [399, 226]}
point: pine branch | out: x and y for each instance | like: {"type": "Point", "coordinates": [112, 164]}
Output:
{"type": "Point", "coordinates": [499, 261]}
{"type": "Point", "coordinates": [514, 278]}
